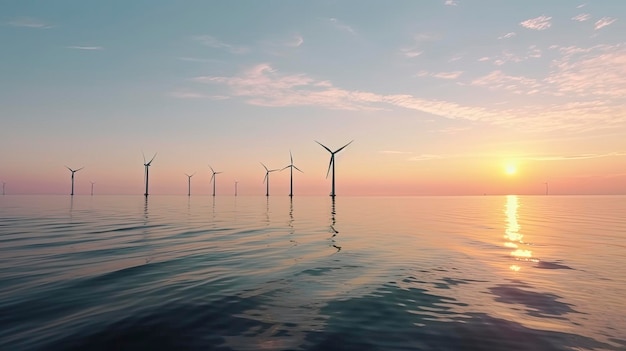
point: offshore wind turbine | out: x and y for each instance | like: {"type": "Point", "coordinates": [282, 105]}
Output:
{"type": "Point", "coordinates": [73, 171]}
{"type": "Point", "coordinates": [189, 183]}
{"type": "Point", "coordinates": [213, 178]}
{"type": "Point", "coordinates": [236, 182]}
{"type": "Point", "coordinates": [3, 184]}
{"type": "Point", "coordinates": [291, 166]}
{"type": "Point", "coordinates": [266, 180]}
{"type": "Point", "coordinates": [546, 183]}
{"type": "Point", "coordinates": [147, 165]}
{"type": "Point", "coordinates": [332, 163]}
{"type": "Point", "coordinates": [92, 183]}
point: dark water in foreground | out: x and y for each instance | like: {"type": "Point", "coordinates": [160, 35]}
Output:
{"type": "Point", "coordinates": [372, 273]}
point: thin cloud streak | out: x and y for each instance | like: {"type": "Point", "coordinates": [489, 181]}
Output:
{"type": "Point", "coordinates": [341, 26]}
{"type": "Point", "coordinates": [211, 41]}
{"type": "Point", "coordinates": [537, 23]}
{"type": "Point", "coordinates": [507, 35]}
{"type": "Point", "coordinates": [394, 152]}
{"type": "Point", "coordinates": [603, 22]}
{"type": "Point", "coordinates": [27, 22]}
{"type": "Point", "coordinates": [582, 17]}
{"type": "Point", "coordinates": [88, 48]}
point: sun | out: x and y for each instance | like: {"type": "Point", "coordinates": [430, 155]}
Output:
{"type": "Point", "coordinates": [510, 169]}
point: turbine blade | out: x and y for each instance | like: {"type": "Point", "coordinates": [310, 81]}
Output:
{"type": "Point", "coordinates": [297, 168]}
{"type": "Point", "coordinates": [79, 169]}
{"type": "Point", "coordinates": [290, 156]}
{"type": "Point", "coordinates": [212, 176]}
{"type": "Point", "coordinates": [332, 159]}
{"type": "Point", "coordinates": [152, 159]}
{"type": "Point", "coordinates": [69, 169]}
{"type": "Point", "coordinates": [266, 175]}
{"type": "Point", "coordinates": [211, 169]}
{"type": "Point", "coordinates": [341, 148]}
{"type": "Point", "coordinates": [218, 172]}
{"type": "Point", "coordinates": [144, 157]}
{"type": "Point", "coordinates": [264, 166]}
{"type": "Point", "coordinates": [285, 167]}
{"type": "Point", "coordinates": [327, 149]}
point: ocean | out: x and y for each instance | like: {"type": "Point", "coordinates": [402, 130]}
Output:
{"type": "Point", "coordinates": [312, 273]}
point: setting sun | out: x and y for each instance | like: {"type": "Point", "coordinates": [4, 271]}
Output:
{"type": "Point", "coordinates": [510, 169]}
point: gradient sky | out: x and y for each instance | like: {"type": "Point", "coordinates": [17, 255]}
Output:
{"type": "Point", "coordinates": [440, 96]}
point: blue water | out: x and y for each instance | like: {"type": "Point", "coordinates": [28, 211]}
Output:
{"type": "Point", "coordinates": [359, 273]}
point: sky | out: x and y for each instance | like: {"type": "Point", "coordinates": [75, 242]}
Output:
{"type": "Point", "coordinates": [441, 97]}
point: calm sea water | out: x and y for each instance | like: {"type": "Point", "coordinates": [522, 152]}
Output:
{"type": "Point", "coordinates": [359, 273]}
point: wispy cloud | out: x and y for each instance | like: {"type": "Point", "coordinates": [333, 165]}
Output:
{"type": "Point", "coordinates": [213, 42]}
{"type": "Point", "coordinates": [28, 22]}
{"type": "Point", "coordinates": [582, 17]}
{"type": "Point", "coordinates": [570, 157]}
{"type": "Point", "coordinates": [507, 35]}
{"type": "Point", "coordinates": [395, 152]}
{"type": "Point", "coordinates": [263, 85]}
{"type": "Point", "coordinates": [604, 21]}
{"type": "Point", "coordinates": [440, 75]}
{"type": "Point", "coordinates": [537, 23]}
{"type": "Point", "coordinates": [451, 3]}
{"type": "Point", "coordinates": [196, 95]}
{"type": "Point", "coordinates": [87, 48]}
{"type": "Point", "coordinates": [341, 26]}
{"type": "Point", "coordinates": [414, 49]}
{"type": "Point", "coordinates": [426, 157]}
{"type": "Point", "coordinates": [295, 42]}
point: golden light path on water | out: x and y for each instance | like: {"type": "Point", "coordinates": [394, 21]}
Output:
{"type": "Point", "coordinates": [512, 233]}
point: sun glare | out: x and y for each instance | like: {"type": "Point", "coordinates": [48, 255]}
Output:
{"type": "Point", "coordinates": [510, 169]}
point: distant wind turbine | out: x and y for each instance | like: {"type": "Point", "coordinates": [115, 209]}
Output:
{"type": "Point", "coordinates": [332, 163]}
{"type": "Point", "coordinates": [291, 166]}
{"type": "Point", "coordinates": [213, 178]}
{"type": "Point", "coordinates": [546, 183]}
{"type": "Point", "coordinates": [73, 171]}
{"type": "Point", "coordinates": [3, 184]}
{"type": "Point", "coordinates": [189, 183]}
{"type": "Point", "coordinates": [266, 180]}
{"type": "Point", "coordinates": [147, 165]}
{"type": "Point", "coordinates": [236, 182]}
{"type": "Point", "coordinates": [92, 183]}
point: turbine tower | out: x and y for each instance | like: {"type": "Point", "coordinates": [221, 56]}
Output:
{"type": "Point", "coordinates": [189, 183]}
{"type": "Point", "coordinates": [213, 178]}
{"type": "Point", "coordinates": [266, 180]}
{"type": "Point", "coordinates": [73, 171]}
{"type": "Point", "coordinates": [292, 166]}
{"type": "Point", "coordinates": [332, 163]}
{"type": "Point", "coordinates": [546, 183]}
{"type": "Point", "coordinates": [3, 184]}
{"type": "Point", "coordinates": [236, 182]}
{"type": "Point", "coordinates": [147, 165]}
{"type": "Point", "coordinates": [92, 183]}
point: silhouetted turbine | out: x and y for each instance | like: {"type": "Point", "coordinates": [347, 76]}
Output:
{"type": "Point", "coordinates": [73, 171]}
{"type": "Point", "coordinates": [292, 166]}
{"type": "Point", "coordinates": [3, 184]}
{"type": "Point", "coordinates": [213, 178]}
{"type": "Point", "coordinates": [332, 163]}
{"type": "Point", "coordinates": [546, 183]}
{"type": "Point", "coordinates": [236, 182]}
{"type": "Point", "coordinates": [267, 178]}
{"type": "Point", "coordinates": [189, 183]}
{"type": "Point", "coordinates": [147, 165]}
{"type": "Point", "coordinates": [92, 183]}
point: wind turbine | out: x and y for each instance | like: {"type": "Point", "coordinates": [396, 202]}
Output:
{"type": "Point", "coordinates": [546, 183]}
{"type": "Point", "coordinates": [236, 182]}
{"type": "Point", "coordinates": [332, 163]}
{"type": "Point", "coordinates": [73, 171]}
{"type": "Point", "coordinates": [92, 183]}
{"type": "Point", "coordinates": [3, 184]}
{"type": "Point", "coordinates": [147, 165]}
{"type": "Point", "coordinates": [292, 166]}
{"type": "Point", "coordinates": [213, 178]}
{"type": "Point", "coordinates": [267, 178]}
{"type": "Point", "coordinates": [189, 183]}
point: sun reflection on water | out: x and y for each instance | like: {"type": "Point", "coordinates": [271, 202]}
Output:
{"type": "Point", "coordinates": [512, 233]}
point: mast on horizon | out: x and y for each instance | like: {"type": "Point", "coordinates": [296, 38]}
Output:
{"type": "Point", "coordinates": [266, 180]}
{"type": "Point", "coordinates": [332, 164]}
{"type": "Point", "coordinates": [147, 165]}
{"type": "Point", "coordinates": [291, 166]}
{"type": "Point", "coordinates": [73, 171]}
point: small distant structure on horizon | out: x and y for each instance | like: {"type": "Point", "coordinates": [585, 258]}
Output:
{"type": "Point", "coordinates": [92, 183]}
{"type": "Point", "coordinates": [332, 164]}
{"type": "Point", "coordinates": [73, 171]}
{"type": "Point", "coordinates": [147, 165]}
{"type": "Point", "coordinates": [266, 180]}
{"type": "Point", "coordinates": [3, 185]}
{"type": "Point", "coordinates": [236, 182]}
{"type": "Point", "coordinates": [213, 178]}
{"type": "Point", "coordinates": [546, 183]}
{"type": "Point", "coordinates": [292, 166]}
{"type": "Point", "coordinates": [189, 183]}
